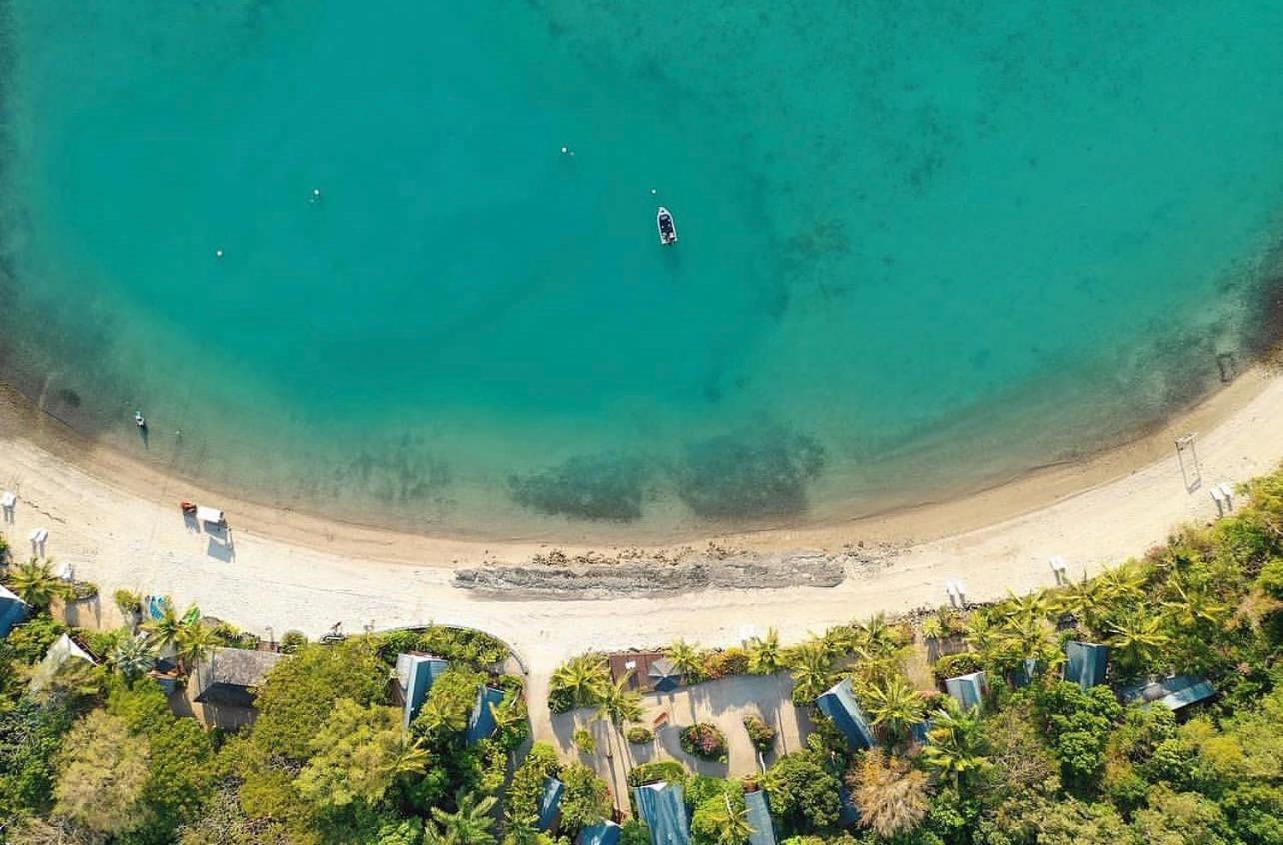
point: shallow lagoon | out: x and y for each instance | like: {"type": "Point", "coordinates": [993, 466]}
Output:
{"type": "Point", "coordinates": [919, 251]}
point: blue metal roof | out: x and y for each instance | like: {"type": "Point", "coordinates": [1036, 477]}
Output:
{"type": "Point", "coordinates": [839, 704]}
{"type": "Point", "coordinates": [1024, 675]}
{"type": "Point", "coordinates": [602, 833]}
{"type": "Point", "coordinates": [663, 809]}
{"type": "Point", "coordinates": [481, 724]}
{"type": "Point", "coordinates": [550, 802]}
{"type": "Point", "coordinates": [759, 818]}
{"type": "Point", "coordinates": [969, 690]}
{"type": "Point", "coordinates": [416, 674]}
{"type": "Point", "coordinates": [1085, 663]}
{"type": "Point", "coordinates": [12, 611]}
{"type": "Point", "coordinates": [1173, 693]}
{"type": "Point", "coordinates": [920, 730]}
{"type": "Point", "coordinates": [849, 814]}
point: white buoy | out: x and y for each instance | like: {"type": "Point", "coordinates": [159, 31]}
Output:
{"type": "Point", "coordinates": [316, 195]}
{"type": "Point", "coordinates": [564, 150]}
{"type": "Point", "coordinates": [218, 253]}
{"type": "Point", "coordinates": [653, 192]}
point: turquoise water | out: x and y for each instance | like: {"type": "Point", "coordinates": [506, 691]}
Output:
{"type": "Point", "coordinates": [921, 248]}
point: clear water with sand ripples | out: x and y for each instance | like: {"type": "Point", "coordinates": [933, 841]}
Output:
{"type": "Point", "coordinates": [922, 247]}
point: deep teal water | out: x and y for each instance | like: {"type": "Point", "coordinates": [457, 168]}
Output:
{"type": "Point", "coordinates": [921, 247]}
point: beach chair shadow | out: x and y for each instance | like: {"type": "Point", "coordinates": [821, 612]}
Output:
{"type": "Point", "coordinates": [220, 545]}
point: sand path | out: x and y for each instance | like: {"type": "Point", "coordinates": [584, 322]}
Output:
{"type": "Point", "coordinates": [119, 539]}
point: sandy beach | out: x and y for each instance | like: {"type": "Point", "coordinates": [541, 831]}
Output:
{"type": "Point", "coordinates": [119, 525]}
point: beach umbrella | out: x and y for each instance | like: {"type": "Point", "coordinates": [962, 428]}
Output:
{"type": "Point", "coordinates": [663, 677]}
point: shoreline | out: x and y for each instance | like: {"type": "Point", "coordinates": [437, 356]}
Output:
{"type": "Point", "coordinates": [948, 515]}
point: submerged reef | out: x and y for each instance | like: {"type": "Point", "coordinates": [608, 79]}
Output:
{"type": "Point", "coordinates": [733, 477]}
{"type": "Point", "coordinates": [593, 487]}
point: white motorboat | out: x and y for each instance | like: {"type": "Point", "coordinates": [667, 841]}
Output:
{"type": "Point", "coordinates": [667, 229]}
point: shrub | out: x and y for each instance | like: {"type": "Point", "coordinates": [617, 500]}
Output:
{"type": "Point", "coordinates": [952, 665]}
{"type": "Point", "coordinates": [760, 734]}
{"type": "Point", "coordinates": [670, 771]}
{"type": "Point", "coordinates": [640, 735]}
{"type": "Point", "coordinates": [82, 591]}
{"type": "Point", "coordinates": [725, 663]}
{"type": "Point", "coordinates": [463, 645]}
{"type": "Point", "coordinates": [584, 741]}
{"type": "Point", "coordinates": [30, 641]}
{"type": "Point", "coordinates": [128, 603]}
{"type": "Point", "coordinates": [705, 741]}
{"type": "Point", "coordinates": [1271, 579]}
{"type": "Point", "coordinates": [232, 637]}
{"type": "Point", "coordinates": [292, 641]}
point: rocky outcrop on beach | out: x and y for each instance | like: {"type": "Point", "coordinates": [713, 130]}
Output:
{"type": "Point", "coordinates": [638, 574]}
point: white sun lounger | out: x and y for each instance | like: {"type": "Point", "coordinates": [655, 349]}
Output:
{"type": "Point", "coordinates": [8, 499]}
{"type": "Point", "coordinates": [1217, 496]}
{"type": "Point", "coordinates": [65, 572]}
{"type": "Point", "coordinates": [1058, 564]}
{"type": "Point", "coordinates": [1228, 492]}
{"type": "Point", "coordinates": [214, 516]}
{"type": "Point", "coordinates": [39, 535]}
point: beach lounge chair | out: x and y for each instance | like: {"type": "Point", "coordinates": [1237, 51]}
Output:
{"type": "Point", "coordinates": [39, 535]}
{"type": "Point", "coordinates": [1228, 492]}
{"type": "Point", "coordinates": [8, 499]}
{"type": "Point", "coordinates": [1219, 498]}
{"type": "Point", "coordinates": [961, 589]}
{"type": "Point", "coordinates": [64, 572]}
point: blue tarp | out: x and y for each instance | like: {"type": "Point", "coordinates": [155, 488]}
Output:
{"type": "Point", "coordinates": [759, 818]}
{"type": "Point", "coordinates": [839, 704]}
{"type": "Point", "coordinates": [1173, 693]}
{"type": "Point", "coordinates": [602, 833]}
{"type": "Point", "coordinates": [549, 802]}
{"type": "Point", "coordinates": [968, 690]}
{"type": "Point", "coordinates": [481, 724]}
{"type": "Point", "coordinates": [416, 673]}
{"type": "Point", "coordinates": [663, 809]}
{"type": "Point", "coordinates": [1085, 663]}
{"type": "Point", "coordinates": [12, 611]}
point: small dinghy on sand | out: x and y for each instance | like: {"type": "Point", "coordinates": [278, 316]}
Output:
{"type": "Point", "coordinates": [667, 231]}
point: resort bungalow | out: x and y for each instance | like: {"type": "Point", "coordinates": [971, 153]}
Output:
{"type": "Point", "coordinates": [968, 690]}
{"type": "Point", "coordinates": [1172, 693]}
{"type": "Point", "coordinates": [550, 803]}
{"type": "Point", "coordinates": [227, 684]}
{"type": "Point", "coordinates": [759, 818]}
{"type": "Point", "coordinates": [481, 723]}
{"type": "Point", "coordinates": [12, 611]}
{"type": "Point", "coordinates": [602, 833]}
{"type": "Point", "coordinates": [415, 674]}
{"type": "Point", "coordinates": [839, 704]}
{"type": "Point", "coordinates": [663, 809]}
{"type": "Point", "coordinates": [1085, 663]}
{"type": "Point", "coordinates": [63, 651]}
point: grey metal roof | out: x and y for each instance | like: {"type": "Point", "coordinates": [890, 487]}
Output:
{"type": "Point", "coordinates": [1086, 663]}
{"type": "Point", "coordinates": [550, 802]}
{"type": "Point", "coordinates": [663, 808]}
{"type": "Point", "coordinates": [839, 704]}
{"type": "Point", "coordinates": [759, 818]}
{"type": "Point", "coordinates": [1173, 693]}
{"type": "Point", "coordinates": [481, 724]}
{"type": "Point", "coordinates": [231, 674]}
{"type": "Point", "coordinates": [968, 690]}
{"type": "Point", "coordinates": [602, 833]}
{"type": "Point", "coordinates": [12, 611]}
{"type": "Point", "coordinates": [416, 673]}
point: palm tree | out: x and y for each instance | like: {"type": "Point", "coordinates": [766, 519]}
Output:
{"type": "Point", "coordinates": [411, 758]}
{"type": "Point", "coordinates": [164, 631]}
{"type": "Point", "coordinates": [894, 705]}
{"type": "Point", "coordinates": [584, 677]}
{"type": "Point", "coordinates": [1138, 639]}
{"type": "Point", "coordinates": [1189, 607]}
{"type": "Point", "coordinates": [1088, 601]}
{"type": "Point", "coordinates": [812, 670]}
{"type": "Point", "coordinates": [507, 715]}
{"type": "Point", "coordinates": [1125, 582]}
{"type": "Point", "coordinates": [133, 658]}
{"type": "Point", "coordinates": [687, 658]}
{"type": "Point", "coordinates": [468, 825]}
{"type": "Point", "coordinates": [731, 822]}
{"type": "Point", "coordinates": [981, 635]}
{"type": "Point", "coordinates": [194, 642]}
{"type": "Point", "coordinates": [764, 654]}
{"type": "Point", "coordinates": [957, 745]}
{"type": "Point", "coordinates": [1038, 605]}
{"type": "Point", "coordinates": [35, 583]}
{"type": "Point", "coordinates": [875, 639]}
{"type": "Point", "coordinates": [891, 795]}
{"type": "Point", "coordinates": [620, 703]}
